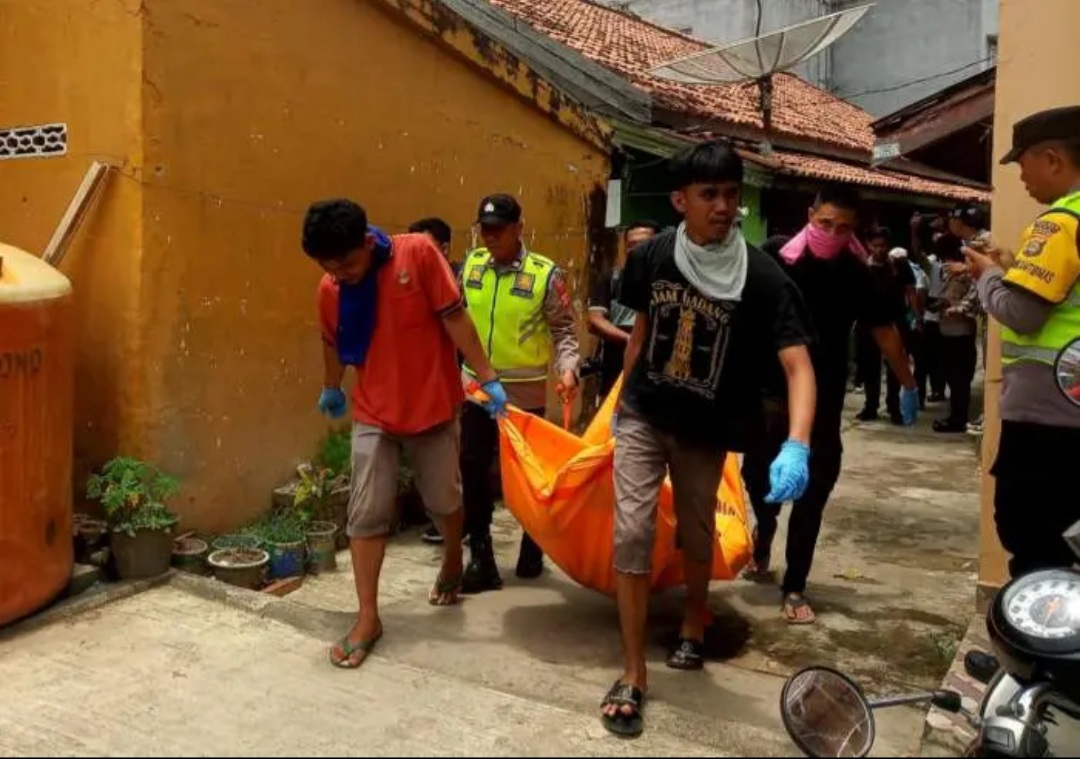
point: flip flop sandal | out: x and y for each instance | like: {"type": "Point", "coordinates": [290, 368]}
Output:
{"type": "Point", "coordinates": [364, 647]}
{"type": "Point", "coordinates": [621, 723]}
{"type": "Point", "coordinates": [792, 606]}
{"type": "Point", "coordinates": [757, 573]}
{"type": "Point", "coordinates": [688, 656]}
{"type": "Point", "coordinates": [451, 588]}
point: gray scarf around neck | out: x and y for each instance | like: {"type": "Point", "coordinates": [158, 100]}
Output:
{"type": "Point", "coordinates": [717, 270]}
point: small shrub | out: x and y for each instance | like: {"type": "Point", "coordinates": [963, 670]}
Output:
{"type": "Point", "coordinates": [133, 494]}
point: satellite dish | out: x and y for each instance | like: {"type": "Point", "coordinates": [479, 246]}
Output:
{"type": "Point", "coordinates": [758, 58]}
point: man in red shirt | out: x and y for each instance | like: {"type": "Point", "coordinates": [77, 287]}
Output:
{"type": "Point", "coordinates": [390, 307]}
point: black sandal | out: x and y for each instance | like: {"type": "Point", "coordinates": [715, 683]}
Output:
{"type": "Point", "coordinates": [622, 724]}
{"type": "Point", "coordinates": [688, 656]}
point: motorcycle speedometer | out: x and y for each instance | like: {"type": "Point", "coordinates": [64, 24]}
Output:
{"type": "Point", "coordinates": [1045, 606]}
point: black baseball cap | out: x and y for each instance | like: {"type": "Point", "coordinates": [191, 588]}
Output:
{"type": "Point", "coordinates": [1044, 126]}
{"type": "Point", "coordinates": [499, 210]}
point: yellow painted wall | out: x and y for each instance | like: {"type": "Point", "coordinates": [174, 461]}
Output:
{"type": "Point", "coordinates": [79, 62]}
{"type": "Point", "coordinates": [1035, 38]}
{"type": "Point", "coordinates": [251, 110]}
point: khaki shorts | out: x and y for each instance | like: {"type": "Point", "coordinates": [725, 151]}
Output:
{"type": "Point", "coordinates": [643, 458]}
{"type": "Point", "coordinates": [376, 458]}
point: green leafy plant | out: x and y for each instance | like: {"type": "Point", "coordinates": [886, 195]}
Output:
{"type": "Point", "coordinates": [133, 494]}
{"type": "Point", "coordinates": [314, 491]}
{"type": "Point", "coordinates": [280, 528]}
{"type": "Point", "coordinates": [335, 452]}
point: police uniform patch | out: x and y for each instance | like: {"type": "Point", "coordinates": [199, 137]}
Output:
{"type": "Point", "coordinates": [475, 279]}
{"type": "Point", "coordinates": [524, 284]}
{"type": "Point", "coordinates": [1045, 228]}
{"type": "Point", "coordinates": [1034, 247]}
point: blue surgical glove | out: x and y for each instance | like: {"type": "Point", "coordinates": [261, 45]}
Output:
{"type": "Point", "coordinates": [332, 402]}
{"type": "Point", "coordinates": [496, 402]}
{"type": "Point", "coordinates": [790, 473]}
{"type": "Point", "coordinates": [909, 405]}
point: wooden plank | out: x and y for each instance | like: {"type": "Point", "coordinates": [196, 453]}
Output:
{"type": "Point", "coordinates": [76, 212]}
{"type": "Point", "coordinates": [284, 587]}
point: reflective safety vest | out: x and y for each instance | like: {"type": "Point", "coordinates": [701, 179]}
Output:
{"type": "Point", "coordinates": [508, 311]}
{"type": "Point", "coordinates": [1063, 326]}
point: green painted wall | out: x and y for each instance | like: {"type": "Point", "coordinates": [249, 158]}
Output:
{"type": "Point", "coordinates": [646, 195]}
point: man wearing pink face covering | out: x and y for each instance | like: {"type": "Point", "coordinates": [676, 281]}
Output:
{"type": "Point", "coordinates": [830, 268]}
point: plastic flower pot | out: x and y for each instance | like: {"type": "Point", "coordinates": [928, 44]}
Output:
{"type": "Point", "coordinates": [147, 553]}
{"type": "Point", "coordinates": [287, 559]}
{"type": "Point", "coordinates": [189, 555]}
{"type": "Point", "coordinates": [236, 541]}
{"type": "Point", "coordinates": [242, 567]}
{"type": "Point", "coordinates": [322, 547]}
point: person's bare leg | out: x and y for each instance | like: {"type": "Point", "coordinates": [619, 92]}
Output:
{"type": "Point", "coordinates": [696, 615]}
{"type": "Point", "coordinates": [367, 559]}
{"type": "Point", "coordinates": [632, 592]}
{"type": "Point", "coordinates": [453, 567]}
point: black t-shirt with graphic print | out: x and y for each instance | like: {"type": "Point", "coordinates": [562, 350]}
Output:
{"type": "Point", "coordinates": [701, 368]}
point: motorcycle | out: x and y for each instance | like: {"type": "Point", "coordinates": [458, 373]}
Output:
{"type": "Point", "coordinates": [1034, 627]}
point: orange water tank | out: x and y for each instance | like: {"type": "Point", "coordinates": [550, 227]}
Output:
{"type": "Point", "coordinates": [36, 427]}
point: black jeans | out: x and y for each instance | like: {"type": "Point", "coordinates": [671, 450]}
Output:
{"type": "Point", "coordinates": [804, 525]}
{"type": "Point", "coordinates": [1035, 498]}
{"type": "Point", "coordinates": [931, 369]}
{"type": "Point", "coordinates": [479, 443]}
{"type": "Point", "coordinates": [959, 357]}
{"type": "Point", "coordinates": [872, 357]}
{"type": "Point", "coordinates": [611, 366]}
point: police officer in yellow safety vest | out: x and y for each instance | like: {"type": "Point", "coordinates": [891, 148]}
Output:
{"type": "Point", "coordinates": [521, 308]}
{"type": "Point", "coordinates": [1037, 302]}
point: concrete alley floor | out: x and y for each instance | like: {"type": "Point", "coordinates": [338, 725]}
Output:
{"type": "Point", "coordinates": [193, 667]}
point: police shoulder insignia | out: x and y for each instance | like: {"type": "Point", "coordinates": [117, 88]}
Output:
{"type": "Point", "coordinates": [524, 284]}
{"type": "Point", "coordinates": [476, 277]}
{"type": "Point", "coordinates": [1045, 228]}
{"type": "Point", "coordinates": [1034, 247]}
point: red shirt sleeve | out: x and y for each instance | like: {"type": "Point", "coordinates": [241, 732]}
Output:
{"type": "Point", "coordinates": [327, 304]}
{"type": "Point", "coordinates": [436, 277]}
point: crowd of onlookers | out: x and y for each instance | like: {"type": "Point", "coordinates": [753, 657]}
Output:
{"type": "Point", "coordinates": [937, 310]}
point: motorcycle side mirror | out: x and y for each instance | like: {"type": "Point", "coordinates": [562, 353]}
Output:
{"type": "Point", "coordinates": [827, 715]}
{"type": "Point", "coordinates": [1067, 372]}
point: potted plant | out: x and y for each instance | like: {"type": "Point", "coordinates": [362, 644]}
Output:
{"type": "Point", "coordinates": [314, 495]}
{"type": "Point", "coordinates": [189, 555]}
{"type": "Point", "coordinates": [248, 540]}
{"type": "Point", "coordinates": [285, 536]}
{"type": "Point", "coordinates": [335, 455]}
{"type": "Point", "coordinates": [242, 567]}
{"type": "Point", "coordinates": [133, 494]}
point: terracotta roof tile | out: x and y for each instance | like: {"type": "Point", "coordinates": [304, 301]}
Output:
{"type": "Point", "coordinates": [631, 46]}
{"type": "Point", "coordinates": [816, 167]}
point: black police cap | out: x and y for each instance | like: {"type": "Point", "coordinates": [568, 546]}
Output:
{"type": "Point", "coordinates": [1044, 126]}
{"type": "Point", "coordinates": [499, 210]}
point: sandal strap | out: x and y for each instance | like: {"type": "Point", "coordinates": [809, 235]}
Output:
{"type": "Point", "coordinates": [624, 694]}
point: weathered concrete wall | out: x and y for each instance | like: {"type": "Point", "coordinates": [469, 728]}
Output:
{"type": "Point", "coordinates": [1035, 38]}
{"type": "Point", "coordinates": [79, 62]}
{"type": "Point", "coordinates": [899, 42]}
{"type": "Point", "coordinates": [251, 111]}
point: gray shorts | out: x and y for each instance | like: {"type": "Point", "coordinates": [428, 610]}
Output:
{"type": "Point", "coordinates": [376, 458]}
{"type": "Point", "coordinates": [643, 458]}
